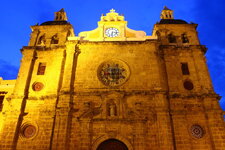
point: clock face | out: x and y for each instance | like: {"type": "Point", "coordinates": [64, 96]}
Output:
{"type": "Point", "coordinates": [113, 73]}
{"type": "Point", "coordinates": [112, 32]}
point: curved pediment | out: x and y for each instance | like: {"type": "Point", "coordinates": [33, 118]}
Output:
{"type": "Point", "coordinates": [113, 27]}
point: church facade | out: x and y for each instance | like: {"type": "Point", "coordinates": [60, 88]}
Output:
{"type": "Point", "coordinates": [112, 88]}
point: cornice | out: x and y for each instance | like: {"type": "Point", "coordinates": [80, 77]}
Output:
{"type": "Point", "coordinates": [194, 95]}
{"type": "Point", "coordinates": [181, 47]}
{"type": "Point", "coordinates": [43, 48]}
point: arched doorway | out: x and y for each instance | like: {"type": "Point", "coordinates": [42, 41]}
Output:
{"type": "Point", "coordinates": [112, 144]}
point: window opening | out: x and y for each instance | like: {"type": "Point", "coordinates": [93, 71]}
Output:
{"type": "Point", "coordinates": [55, 39]}
{"type": "Point", "coordinates": [184, 38]}
{"type": "Point", "coordinates": [172, 38]}
{"type": "Point", "coordinates": [41, 69]}
{"type": "Point", "coordinates": [184, 68]}
{"type": "Point", "coordinates": [1, 102]}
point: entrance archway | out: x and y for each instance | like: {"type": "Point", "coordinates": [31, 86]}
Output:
{"type": "Point", "coordinates": [112, 144]}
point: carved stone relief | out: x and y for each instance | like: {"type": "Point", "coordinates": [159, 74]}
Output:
{"type": "Point", "coordinates": [115, 105]}
{"type": "Point", "coordinates": [89, 111]}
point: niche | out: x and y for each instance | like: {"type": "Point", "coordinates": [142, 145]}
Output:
{"type": "Point", "coordinates": [111, 109]}
{"type": "Point", "coordinates": [55, 39]}
{"type": "Point", "coordinates": [41, 40]}
{"type": "Point", "coordinates": [184, 38]}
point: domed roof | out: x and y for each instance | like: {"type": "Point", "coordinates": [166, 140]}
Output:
{"type": "Point", "coordinates": [172, 21]}
{"type": "Point", "coordinates": [55, 23]}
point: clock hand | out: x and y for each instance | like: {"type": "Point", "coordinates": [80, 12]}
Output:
{"type": "Point", "coordinates": [112, 34]}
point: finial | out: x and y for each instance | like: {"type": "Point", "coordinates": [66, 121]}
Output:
{"type": "Point", "coordinates": [112, 10]}
{"type": "Point", "coordinates": [62, 10]}
{"type": "Point", "coordinates": [166, 8]}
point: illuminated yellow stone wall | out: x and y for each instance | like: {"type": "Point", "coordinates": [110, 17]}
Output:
{"type": "Point", "coordinates": [6, 88]}
{"type": "Point", "coordinates": [125, 86]}
{"type": "Point", "coordinates": [139, 57]}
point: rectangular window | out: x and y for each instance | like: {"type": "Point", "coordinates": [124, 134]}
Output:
{"type": "Point", "coordinates": [41, 69]}
{"type": "Point", "coordinates": [1, 102]}
{"type": "Point", "coordinates": [184, 68]}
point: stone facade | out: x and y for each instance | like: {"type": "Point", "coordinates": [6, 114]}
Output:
{"type": "Point", "coordinates": [112, 88]}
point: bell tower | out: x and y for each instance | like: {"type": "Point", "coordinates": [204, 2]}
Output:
{"type": "Point", "coordinates": [166, 13]}
{"type": "Point", "coordinates": [51, 33]}
{"type": "Point", "coordinates": [60, 15]}
{"type": "Point", "coordinates": [192, 100]}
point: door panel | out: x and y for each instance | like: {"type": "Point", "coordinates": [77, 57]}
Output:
{"type": "Point", "coordinates": [112, 144]}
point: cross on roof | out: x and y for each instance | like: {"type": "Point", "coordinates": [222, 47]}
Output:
{"type": "Point", "coordinates": [112, 10]}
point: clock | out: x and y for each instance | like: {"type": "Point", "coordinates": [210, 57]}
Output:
{"type": "Point", "coordinates": [113, 73]}
{"type": "Point", "coordinates": [112, 32]}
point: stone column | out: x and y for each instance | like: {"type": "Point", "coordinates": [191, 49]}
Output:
{"type": "Point", "coordinates": [64, 115]}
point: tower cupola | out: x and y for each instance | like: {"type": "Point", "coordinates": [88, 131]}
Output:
{"type": "Point", "coordinates": [166, 13]}
{"type": "Point", "coordinates": [60, 15]}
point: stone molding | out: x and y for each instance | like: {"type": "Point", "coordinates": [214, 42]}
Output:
{"type": "Point", "coordinates": [103, 138]}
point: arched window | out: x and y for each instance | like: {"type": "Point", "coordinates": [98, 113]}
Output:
{"type": "Point", "coordinates": [41, 40]}
{"type": "Point", "coordinates": [184, 38]}
{"type": "Point", "coordinates": [55, 39]}
{"type": "Point", "coordinates": [172, 38]}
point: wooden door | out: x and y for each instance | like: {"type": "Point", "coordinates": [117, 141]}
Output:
{"type": "Point", "coordinates": [112, 144]}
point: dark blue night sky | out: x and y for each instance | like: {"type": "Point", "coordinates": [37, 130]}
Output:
{"type": "Point", "coordinates": [18, 15]}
